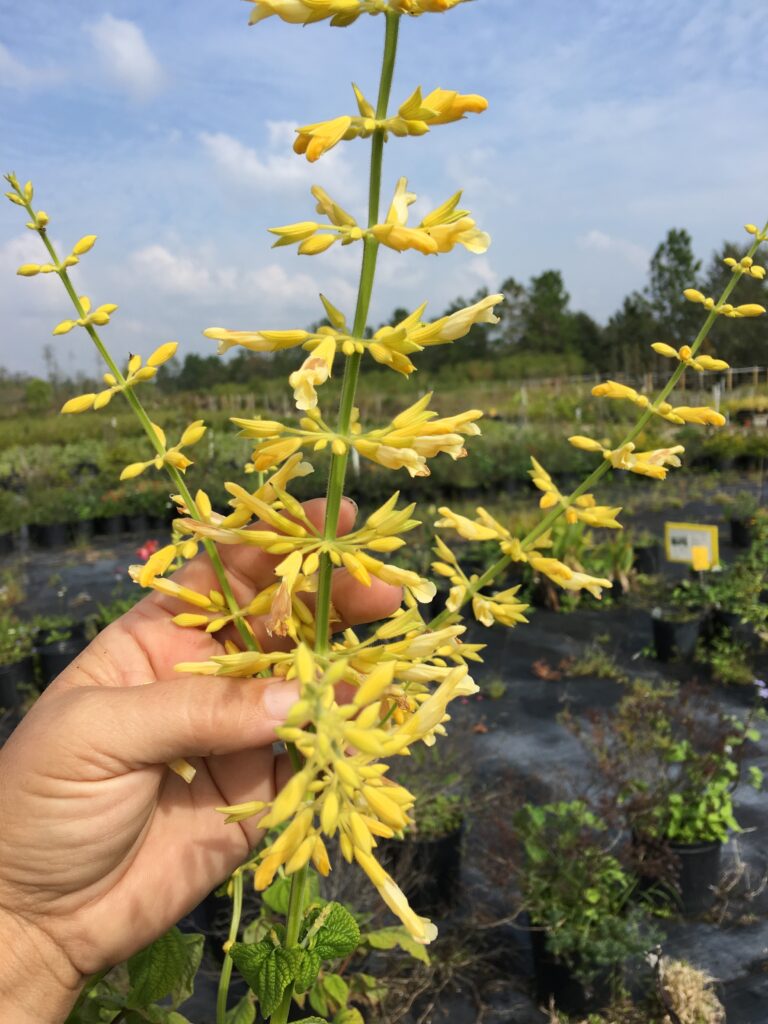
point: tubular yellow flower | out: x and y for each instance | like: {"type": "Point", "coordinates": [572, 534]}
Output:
{"type": "Point", "coordinates": [314, 371]}
{"type": "Point", "coordinates": [702, 415]}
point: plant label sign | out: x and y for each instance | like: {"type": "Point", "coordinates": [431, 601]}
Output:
{"type": "Point", "coordinates": [692, 543]}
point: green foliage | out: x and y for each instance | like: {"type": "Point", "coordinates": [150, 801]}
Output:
{"type": "Point", "coordinates": [164, 971]}
{"type": "Point", "coordinates": [268, 969]}
{"type": "Point", "coordinates": [669, 760]}
{"type": "Point", "coordinates": [576, 890]}
{"type": "Point", "coordinates": [395, 936]}
{"type": "Point", "coordinates": [15, 640]}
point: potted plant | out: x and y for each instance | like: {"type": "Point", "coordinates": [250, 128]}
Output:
{"type": "Point", "coordinates": [49, 527]}
{"type": "Point", "coordinates": [648, 553]}
{"type": "Point", "coordinates": [584, 924]}
{"type": "Point", "coordinates": [17, 668]}
{"type": "Point", "coordinates": [108, 520]}
{"type": "Point", "coordinates": [668, 759]}
{"type": "Point", "coordinates": [58, 640]}
{"type": "Point", "coordinates": [678, 618]}
{"type": "Point", "coordinates": [742, 509]}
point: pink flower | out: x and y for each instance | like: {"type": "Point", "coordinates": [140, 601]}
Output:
{"type": "Point", "coordinates": [147, 550]}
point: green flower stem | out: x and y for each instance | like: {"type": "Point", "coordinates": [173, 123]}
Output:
{"type": "Point", "coordinates": [338, 468]}
{"type": "Point", "coordinates": [296, 905]}
{"type": "Point", "coordinates": [234, 928]}
{"type": "Point", "coordinates": [143, 418]}
{"type": "Point", "coordinates": [586, 485]}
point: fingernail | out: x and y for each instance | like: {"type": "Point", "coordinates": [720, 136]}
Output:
{"type": "Point", "coordinates": [279, 698]}
{"type": "Point", "coordinates": [352, 502]}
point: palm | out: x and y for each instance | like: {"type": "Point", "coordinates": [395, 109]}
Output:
{"type": "Point", "coordinates": [135, 846]}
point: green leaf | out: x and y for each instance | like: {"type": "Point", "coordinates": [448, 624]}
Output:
{"type": "Point", "coordinates": [349, 1015]}
{"type": "Point", "coordinates": [277, 896]}
{"type": "Point", "coordinates": [312, 1020]}
{"type": "Point", "coordinates": [388, 938]}
{"type": "Point", "coordinates": [752, 734]}
{"type": "Point", "coordinates": [336, 932]}
{"type": "Point", "coordinates": [336, 988]}
{"type": "Point", "coordinates": [592, 895]}
{"type": "Point", "coordinates": [243, 1013]}
{"type": "Point", "coordinates": [317, 1000]}
{"type": "Point", "coordinates": [268, 969]}
{"type": "Point", "coordinates": [307, 969]}
{"type": "Point", "coordinates": [166, 968]}
{"type": "Point", "coordinates": [756, 776]}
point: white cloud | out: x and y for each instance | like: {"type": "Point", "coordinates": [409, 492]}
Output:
{"type": "Point", "coordinates": [43, 293]}
{"type": "Point", "coordinates": [125, 56]}
{"type": "Point", "coordinates": [174, 275]}
{"type": "Point", "coordinates": [636, 255]}
{"type": "Point", "coordinates": [166, 273]}
{"type": "Point", "coordinates": [277, 167]}
{"type": "Point", "coordinates": [15, 74]}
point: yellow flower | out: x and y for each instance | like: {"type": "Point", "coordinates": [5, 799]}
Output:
{"type": "Point", "coordinates": [685, 355]}
{"type": "Point", "coordinates": [303, 12]}
{"type": "Point", "coordinates": [501, 607]}
{"type": "Point", "coordinates": [652, 464]}
{"type": "Point", "coordinates": [170, 456]}
{"type": "Point", "coordinates": [256, 341]}
{"type": "Point", "coordinates": [700, 414]}
{"type": "Point", "coordinates": [314, 371]}
{"type": "Point", "coordinates": [612, 389]}
{"type": "Point", "coordinates": [99, 316]}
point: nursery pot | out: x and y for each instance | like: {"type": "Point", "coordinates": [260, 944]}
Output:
{"type": "Point", "coordinates": [429, 870]}
{"type": "Point", "coordinates": [648, 559]}
{"type": "Point", "coordinates": [742, 533]}
{"type": "Point", "coordinates": [55, 657]}
{"type": "Point", "coordinates": [82, 530]}
{"type": "Point", "coordinates": [555, 981]}
{"type": "Point", "coordinates": [137, 524]}
{"type": "Point", "coordinates": [698, 875]}
{"type": "Point", "coordinates": [109, 526]}
{"type": "Point", "coordinates": [6, 543]}
{"type": "Point", "coordinates": [675, 638]}
{"type": "Point", "coordinates": [49, 535]}
{"type": "Point", "coordinates": [726, 620]}
{"type": "Point", "coordinates": [11, 678]}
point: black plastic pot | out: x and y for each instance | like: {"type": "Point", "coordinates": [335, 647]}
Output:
{"type": "Point", "coordinates": [82, 530]}
{"type": "Point", "coordinates": [555, 981]}
{"type": "Point", "coordinates": [109, 526]}
{"type": "Point", "coordinates": [49, 535]}
{"type": "Point", "coordinates": [725, 620]}
{"type": "Point", "coordinates": [137, 524]}
{"type": "Point", "coordinates": [649, 559]}
{"type": "Point", "coordinates": [742, 533]}
{"type": "Point", "coordinates": [674, 638]}
{"type": "Point", "coordinates": [12, 678]}
{"type": "Point", "coordinates": [698, 875]}
{"type": "Point", "coordinates": [6, 544]}
{"type": "Point", "coordinates": [55, 657]}
{"type": "Point", "coordinates": [429, 870]}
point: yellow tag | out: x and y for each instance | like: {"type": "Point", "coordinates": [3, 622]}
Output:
{"type": "Point", "coordinates": [700, 558]}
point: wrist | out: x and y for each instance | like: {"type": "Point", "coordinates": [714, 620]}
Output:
{"type": "Point", "coordinates": [39, 984]}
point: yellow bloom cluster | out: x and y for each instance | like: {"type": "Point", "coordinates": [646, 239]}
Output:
{"type": "Point", "coordinates": [685, 355]}
{"type": "Point", "coordinates": [502, 606]}
{"type": "Point", "coordinates": [486, 527]}
{"type": "Point", "coordinates": [415, 117]}
{"type": "Point", "coordinates": [342, 12]}
{"type": "Point", "coordinates": [136, 374]}
{"type": "Point", "coordinates": [390, 346]}
{"type": "Point", "coordinates": [343, 787]}
{"type": "Point", "coordinates": [583, 509]}
{"type": "Point", "coordinates": [440, 231]}
{"type": "Point", "coordinates": [675, 414]}
{"type": "Point", "coordinates": [169, 456]}
{"type": "Point", "coordinates": [746, 265]}
{"type": "Point", "coordinates": [98, 317]}
{"type": "Point", "coordinates": [653, 463]}
{"type": "Point", "coordinates": [724, 308]}
{"type": "Point", "coordinates": [411, 438]}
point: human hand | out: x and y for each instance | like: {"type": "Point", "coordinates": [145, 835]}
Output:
{"type": "Point", "coordinates": [102, 848]}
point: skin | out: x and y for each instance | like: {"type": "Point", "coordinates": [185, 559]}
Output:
{"type": "Point", "coordinates": [102, 848]}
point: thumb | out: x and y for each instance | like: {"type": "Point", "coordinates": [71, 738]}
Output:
{"type": "Point", "coordinates": [193, 716]}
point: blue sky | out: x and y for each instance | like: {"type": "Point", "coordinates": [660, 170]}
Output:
{"type": "Point", "coordinates": [166, 128]}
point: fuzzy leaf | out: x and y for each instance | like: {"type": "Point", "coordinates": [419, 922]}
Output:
{"type": "Point", "coordinates": [307, 970]}
{"type": "Point", "coordinates": [336, 988]}
{"type": "Point", "coordinates": [388, 938]}
{"type": "Point", "coordinates": [243, 1013]}
{"type": "Point", "coordinates": [268, 970]}
{"type": "Point", "coordinates": [337, 932]}
{"type": "Point", "coordinates": [166, 968]}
